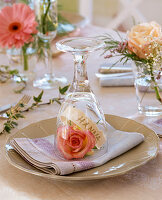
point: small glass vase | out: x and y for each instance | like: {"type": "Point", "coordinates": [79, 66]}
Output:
{"type": "Point", "coordinates": [148, 90]}
{"type": "Point", "coordinates": [81, 126]}
{"type": "Point", "coordinates": [23, 61]}
{"type": "Point", "coordinates": [46, 12]}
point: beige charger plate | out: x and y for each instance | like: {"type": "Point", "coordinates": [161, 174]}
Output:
{"type": "Point", "coordinates": [136, 157]}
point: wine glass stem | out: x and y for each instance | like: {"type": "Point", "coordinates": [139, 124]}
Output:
{"type": "Point", "coordinates": [80, 80]}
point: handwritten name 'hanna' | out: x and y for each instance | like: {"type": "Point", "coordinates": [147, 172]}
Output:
{"type": "Point", "coordinates": [89, 127]}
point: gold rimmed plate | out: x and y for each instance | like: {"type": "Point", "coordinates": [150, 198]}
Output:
{"type": "Point", "coordinates": [135, 157]}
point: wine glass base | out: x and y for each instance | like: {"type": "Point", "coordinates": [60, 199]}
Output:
{"type": "Point", "coordinates": [49, 81]}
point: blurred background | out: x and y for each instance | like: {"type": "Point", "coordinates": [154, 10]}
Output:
{"type": "Point", "coordinates": [117, 14]}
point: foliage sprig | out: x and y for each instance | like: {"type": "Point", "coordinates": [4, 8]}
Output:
{"type": "Point", "coordinates": [7, 74]}
{"type": "Point", "coordinates": [17, 114]}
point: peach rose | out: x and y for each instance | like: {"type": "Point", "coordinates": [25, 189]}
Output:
{"type": "Point", "coordinates": [73, 142]}
{"type": "Point", "coordinates": [142, 36]}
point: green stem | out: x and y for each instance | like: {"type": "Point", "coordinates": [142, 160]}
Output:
{"type": "Point", "coordinates": [158, 97]}
{"type": "Point", "coordinates": [44, 18]}
{"type": "Point", "coordinates": [25, 58]}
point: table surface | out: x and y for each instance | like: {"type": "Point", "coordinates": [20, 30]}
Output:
{"type": "Point", "coordinates": [142, 183]}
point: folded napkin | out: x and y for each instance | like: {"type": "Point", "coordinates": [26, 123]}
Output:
{"type": "Point", "coordinates": [43, 154]}
{"type": "Point", "coordinates": [126, 80]}
{"type": "Point", "coordinates": [119, 75]}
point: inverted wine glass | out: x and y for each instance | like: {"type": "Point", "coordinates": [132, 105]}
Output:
{"type": "Point", "coordinates": [81, 126]}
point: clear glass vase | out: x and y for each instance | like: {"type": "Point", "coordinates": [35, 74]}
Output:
{"type": "Point", "coordinates": [148, 84]}
{"type": "Point", "coordinates": [46, 12]}
{"type": "Point", "coordinates": [24, 62]}
{"type": "Point", "coordinates": [81, 123]}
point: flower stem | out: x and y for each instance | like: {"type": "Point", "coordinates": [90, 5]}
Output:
{"type": "Point", "coordinates": [44, 18]}
{"type": "Point", "coordinates": [25, 58]}
{"type": "Point", "coordinates": [158, 97]}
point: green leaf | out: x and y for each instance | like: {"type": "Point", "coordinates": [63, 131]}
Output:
{"type": "Point", "coordinates": [38, 99]}
{"type": "Point", "coordinates": [21, 105]}
{"type": "Point", "coordinates": [8, 113]}
{"type": "Point", "coordinates": [7, 128]}
{"type": "Point", "coordinates": [35, 99]}
{"type": "Point", "coordinates": [18, 115]}
{"type": "Point", "coordinates": [14, 72]}
{"type": "Point", "coordinates": [64, 89]}
{"type": "Point", "coordinates": [14, 123]}
{"type": "Point", "coordinates": [40, 96]}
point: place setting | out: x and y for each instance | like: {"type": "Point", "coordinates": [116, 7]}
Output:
{"type": "Point", "coordinates": [81, 123]}
{"type": "Point", "coordinates": [79, 141]}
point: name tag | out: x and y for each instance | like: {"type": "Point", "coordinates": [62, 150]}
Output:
{"type": "Point", "coordinates": [74, 116]}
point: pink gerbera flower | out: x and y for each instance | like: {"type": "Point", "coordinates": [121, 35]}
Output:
{"type": "Point", "coordinates": [17, 25]}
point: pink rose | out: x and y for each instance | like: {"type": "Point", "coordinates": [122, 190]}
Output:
{"type": "Point", "coordinates": [141, 38]}
{"type": "Point", "coordinates": [73, 142]}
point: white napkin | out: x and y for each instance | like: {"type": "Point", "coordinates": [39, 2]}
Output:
{"type": "Point", "coordinates": [119, 75]}
{"type": "Point", "coordinates": [43, 154]}
{"type": "Point", "coordinates": [117, 81]}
